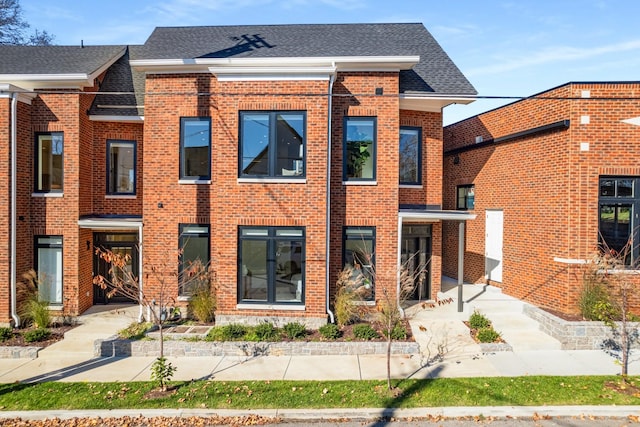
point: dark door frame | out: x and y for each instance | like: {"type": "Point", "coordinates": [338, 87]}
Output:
{"type": "Point", "coordinates": [420, 237]}
{"type": "Point", "coordinates": [100, 266]}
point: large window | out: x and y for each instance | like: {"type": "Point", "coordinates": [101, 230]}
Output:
{"type": "Point", "coordinates": [121, 167]}
{"type": "Point", "coordinates": [271, 265]}
{"type": "Point", "coordinates": [272, 144]}
{"type": "Point", "coordinates": [359, 151]}
{"type": "Point", "coordinates": [195, 148]}
{"type": "Point", "coordinates": [49, 162]}
{"type": "Point", "coordinates": [410, 155]}
{"type": "Point", "coordinates": [194, 244]}
{"type": "Point", "coordinates": [358, 245]}
{"type": "Point", "coordinates": [619, 202]}
{"type": "Point", "coordinates": [48, 260]}
{"type": "Point", "coordinates": [466, 197]}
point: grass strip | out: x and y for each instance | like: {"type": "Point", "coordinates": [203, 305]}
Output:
{"type": "Point", "coordinates": [498, 391]}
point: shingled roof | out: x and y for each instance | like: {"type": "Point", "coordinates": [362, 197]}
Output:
{"type": "Point", "coordinates": [56, 59]}
{"type": "Point", "coordinates": [435, 73]}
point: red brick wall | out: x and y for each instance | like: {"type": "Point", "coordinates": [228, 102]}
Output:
{"type": "Point", "coordinates": [5, 201]}
{"type": "Point", "coordinates": [546, 186]}
{"type": "Point", "coordinates": [366, 205]}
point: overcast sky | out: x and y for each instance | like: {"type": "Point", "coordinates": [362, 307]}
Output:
{"type": "Point", "coordinates": [505, 48]}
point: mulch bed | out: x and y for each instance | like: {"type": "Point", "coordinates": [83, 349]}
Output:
{"type": "Point", "coordinates": [57, 334]}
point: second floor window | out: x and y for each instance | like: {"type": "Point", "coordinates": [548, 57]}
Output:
{"type": "Point", "coordinates": [272, 144]}
{"type": "Point", "coordinates": [195, 148]}
{"type": "Point", "coordinates": [121, 167]}
{"type": "Point", "coordinates": [49, 162]}
{"type": "Point", "coordinates": [466, 197]}
{"type": "Point", "coordinates": [410, 155]}
{"type": "Point", "coordinates": [359, 149]}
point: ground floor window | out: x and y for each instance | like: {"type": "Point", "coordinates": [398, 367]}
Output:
{"type": "Point", "coordinates": [194, 247]}
{"type": "Point", "coordinates": [271, 265]}
{"type": "Point", "coordinates": [618, 205]}
{"type": "Point", "coordinates": [358, 245]}
{"type": "Point", "coordinates": [48, 260]}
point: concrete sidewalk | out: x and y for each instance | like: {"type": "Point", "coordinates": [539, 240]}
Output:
{"type": "Point", "coordinates": [447, 350]}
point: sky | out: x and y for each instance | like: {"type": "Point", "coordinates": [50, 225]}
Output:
{"type": "Point", "coordinates": [506, 48]}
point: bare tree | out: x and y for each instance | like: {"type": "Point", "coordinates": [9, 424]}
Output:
{"type": "Point", "coordinates": [610, 272]}
{"type": "Point", "coordinates": [160, 306]}
{"type": "Point", "coordinates": [13, 27]}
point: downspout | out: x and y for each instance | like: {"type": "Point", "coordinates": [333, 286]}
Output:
{"type": "Point", "coordinates": [140, 275]}
{"type": "Point", "coordinates": [399, 267]}
{"type": "Point", "coordinates": [328, 201]}
{"type": "Point", "coordinates": [14, 163]}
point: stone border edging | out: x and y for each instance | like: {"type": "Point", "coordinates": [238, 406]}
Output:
{"type": "Point", "coordinates": [573, 335]}
{"type": "Point", "coordinates": [114, 347]}
{"type": "Point", "coordinates": [18, 352]}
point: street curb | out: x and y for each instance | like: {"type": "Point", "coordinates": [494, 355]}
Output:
{"type": "Point", "coordinates": [337, 413]}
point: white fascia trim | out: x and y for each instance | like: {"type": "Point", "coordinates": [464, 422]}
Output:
{"type": "Point", "coordinates": [109, 224]}
{"type": "Point", "coordinates": [269, 77]}
{"type": "Point", "coordinates": [123, 119]}
{"type": "Point", "coordinates": [372, 63]}
{"type": "Point", "coordinates": [25, 96]}
{"type": "Point", "coordinates": [436, 215]}
{"type": "Point", "coordinates": [431, 102]}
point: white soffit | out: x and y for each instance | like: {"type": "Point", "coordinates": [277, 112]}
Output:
{"type": "Point", "coordinates": [431, 102]}
{"type": "Point", "coordinates": [25, 96]}
{"type": "Point", "coordinates": [633, 121]}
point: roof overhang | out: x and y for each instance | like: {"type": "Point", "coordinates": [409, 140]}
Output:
{"type": "Point", "coordinates": [431, 102]}
{"type": "Point", "coordinates": [121, 119]}
{"type": "Point", "coordinates": [101, 223]}
{"type": "Point", "coordinates": [276, 66]}
{"type": "Point", "coordinates": [434, 215]}
{"type": "Point", "coordinates": [59, 80]}
{"type": "Point", "coordinates": [24, 95]}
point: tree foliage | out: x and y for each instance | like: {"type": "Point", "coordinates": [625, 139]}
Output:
{"type": "Point", "coordinates": [13, 27]}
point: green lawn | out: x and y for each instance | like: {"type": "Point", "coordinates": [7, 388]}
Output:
{"type": "Point", "coordinates": [520, 391]}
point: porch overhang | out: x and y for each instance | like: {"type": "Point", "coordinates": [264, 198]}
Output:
{"type": "Point", "coordinates": [428, 215]}
{"type": "Point", "coordinates": [111, 223]}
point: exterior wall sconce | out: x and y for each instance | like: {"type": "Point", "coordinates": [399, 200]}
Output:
{"type": "Point", "coordinates": [456, 160]}
{"type": "Point", "coordinates": [88, 245]}
{"type": "Point", "coordinates": [379, 91]}
{"type": "Point", "coordinates": [160, 205]}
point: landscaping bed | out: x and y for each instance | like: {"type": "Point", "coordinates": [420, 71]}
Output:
{"type": "Point", "coordinates": [17, 347]}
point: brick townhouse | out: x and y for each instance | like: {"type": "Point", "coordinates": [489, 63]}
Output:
{"type": "Point", "coordinates": [278, 154]}
{"type": "Point", "coordinates": [549, 177]}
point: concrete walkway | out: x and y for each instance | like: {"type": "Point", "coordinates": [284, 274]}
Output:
{"type": "Point", "coordinates": [446, 346]}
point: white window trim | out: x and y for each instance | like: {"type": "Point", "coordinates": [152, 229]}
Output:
{"type": "Point", "coordinates": [194, 181]}
{"type": "Point", "coordinates": [359, 182]}
{"type": "Point", "coordinates": [272, 180]}
{"type": "Point", "coordinates": [120, 196]}
{"type": "Point", "coordinates": [414, 186]}
{"type": "Point", "coordinates": [271, 307]}
{"type": "Point", "coordinates": [54, 195]}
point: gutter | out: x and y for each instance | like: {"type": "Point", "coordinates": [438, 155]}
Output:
{"type": "Point", "coordinates": [328, 201]}
{"type": "Point", "coordinates": [14, 162]}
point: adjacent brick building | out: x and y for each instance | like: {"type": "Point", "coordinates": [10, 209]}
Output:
{"type": "Point", "coordinates": [277, 154]}
{"type": "Point", "coordinates": [548, 177]}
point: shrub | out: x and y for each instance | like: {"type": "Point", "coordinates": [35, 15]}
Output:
{"type": "Point", "coordinates": [486, 335]}
{"type": "Point", "coordinates": [364, 331]}
{"type": "Point", "coordinates": [214, 334]}
{"type": "Point", "coordinates": [294, 330]}
{"type": "Point", "coordinates": [398, 333]}
{"type": "Point", "coordinates": [595, 302]}
{"type": "Point", "coordinates": [330, 331]}
{"type": "Point", "coordinates": [478, 321]}
{"type": "Point", "coordinates": [233, 332]}
{"type": "Point", "coordinates": [162, 371]}
{"type": "Point", "coordinates": [202, 305]}
{"type": "Point", "coordinates": [5, 334]}
{"type": "Point", "coordinates": [265, 331]}
{"type": "Point", "coordinates": [135, 330]}
{"type": "Point", "coordinates": [36, 335]}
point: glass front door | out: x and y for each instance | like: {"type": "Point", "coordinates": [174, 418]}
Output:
{"type": "Point", "coordinates": [119, 243]}
{"type": "Point", "coordinates": [416, 258]}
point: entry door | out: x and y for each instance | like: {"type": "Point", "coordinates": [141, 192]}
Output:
{"type": "Point", "coordinates": [416, 258]}
{"type": "Point", "coordinates": [119, 244]}
{"type": "Point", "coordinates": [493, 245]}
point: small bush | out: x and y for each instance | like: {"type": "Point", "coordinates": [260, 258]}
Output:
{"type": "Point", "coordinates": [294, 330]}
{"type": "Point", "coordinates": [486, 335]}
{"type": "Point", "coordinates": [330, 331]}
{"type": "Point", "coordinates": [135, 330]}
{"type": "Point", "coordinates": [478, 321]}
{"type": "Point", "coordinates": [364, 331]}
{"type": "Point", "coordinates": [265, 331]}
{"type": "Point", "coordinates": [214, 334]}
{"type": "Point", "coordinates": [36, 335]}
{"type": "Point", "coordinates": [162, 371]}
{"type": "Point", "coordinates": [398, 333]}
{"type": "Point", "coordinates": [202, 305]}
{"type": "Point", "coordinates": [595, 303]}
{"type": "Point", "coordinates": [233, 332]}
{"type": "Point", "coordinates": [5, 334]}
